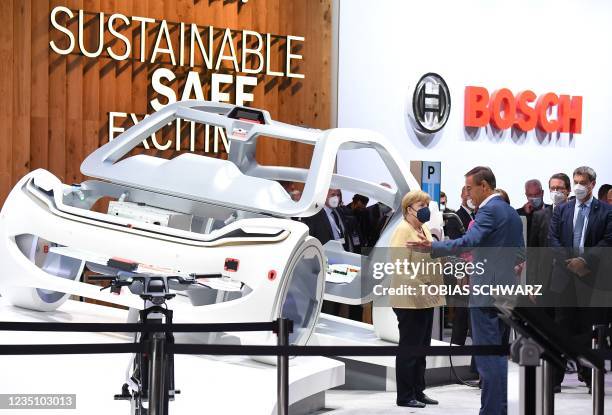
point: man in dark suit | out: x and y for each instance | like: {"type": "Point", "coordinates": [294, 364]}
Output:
{"type": "Point", "coordinates": [451, 227]}
{"type": "Point", "coordinates": [330, 222]}
{"type": "Point", "coordinates": [357, 215]}
{"type": "Point", "coordinates": [602, 194]}
{"type": "Point", "coordinates": [465, 211]}
{"type": "Point", "coordinates": [535, 201]}
{"type": "Point", "coordinates": [496, 242]}
{"type": "Point", "coordinates": [539, 265]}
{"type": "Point", "coordinates": [559, 186]}
{"type": "Point", "coordinates": [579, 231]}
{"type": "Point", "coordinates": [379, 215]}
{"type": "Point", "coordinates": [460, 304]}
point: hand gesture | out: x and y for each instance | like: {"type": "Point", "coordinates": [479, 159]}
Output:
{"type": "Point", "coordinates": [422, 245]}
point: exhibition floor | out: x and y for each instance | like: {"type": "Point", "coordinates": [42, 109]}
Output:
{"type": "Point", "coordinates": [215, 383]}
{"type": "Point", "coordinates": [210, 385]}
{"type": "Point", "coordinates": [458, 400]}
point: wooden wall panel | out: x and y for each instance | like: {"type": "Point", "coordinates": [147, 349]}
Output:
{"type": "Point", "coordinates": [74, 107]}
{"type": "Point", "coordinates": [55, 108]}
{"type": "Point", "coordinates": [22, 54]}
{"type": "Point", "coordinates": [56, 159]}
{"type": "Point", "coordinates": [91, 90]}
{"type": "Point", "coordinates": [39, 103]}
{"type": "Point", "coordinates": [6, 96]}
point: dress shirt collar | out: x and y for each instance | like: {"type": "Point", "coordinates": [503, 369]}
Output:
{"type": "Point", "coordinates": [587, 203]}
{"type": "Point", "coordinates": [484, 202]}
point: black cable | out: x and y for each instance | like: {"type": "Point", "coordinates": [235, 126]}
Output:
{"type": "Point", "coordinates": [459, 379]}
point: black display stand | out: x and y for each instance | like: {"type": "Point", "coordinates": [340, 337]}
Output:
{"type": "Point", "coordinates": [542, 343]}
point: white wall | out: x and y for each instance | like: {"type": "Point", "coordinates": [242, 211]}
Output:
{"type": "Point", "coordinates": [542, 45]}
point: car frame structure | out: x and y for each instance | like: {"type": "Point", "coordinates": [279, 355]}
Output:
{"type": "Point", "coordinates": [227, 221]}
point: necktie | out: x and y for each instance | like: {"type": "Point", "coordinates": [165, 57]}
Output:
{"type": "Point", "coordinates": [337, 220]}
{"type": "Point", "coordinates": [471, 214]}
{"type": "Point", "coordinates": [579, 225]}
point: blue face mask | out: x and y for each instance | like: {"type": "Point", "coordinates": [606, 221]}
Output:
{"type": "Point", "coordinates": [423, 214]}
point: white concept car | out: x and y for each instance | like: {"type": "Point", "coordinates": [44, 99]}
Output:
{"type": "Point", "coordinates": [227, 219]}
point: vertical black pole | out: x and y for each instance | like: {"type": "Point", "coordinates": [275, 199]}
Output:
{"type": "Point", "coordinates": [157, 374]}
{"type": "Point", "coordinates": [548, 404]}
{"type": "Point", "coordinates": [282, 368]}
{"type": "Point", "coordinates": [597, 380]}
{"type": "Point", "coordinates": [528, 393]}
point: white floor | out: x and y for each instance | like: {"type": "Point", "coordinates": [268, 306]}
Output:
{"type": "Point", "coordinates": [209, 385]}
{"type": "Point", "coordinates": [219, 386]}
{"type": "Point", "coordinates": [460, 400]}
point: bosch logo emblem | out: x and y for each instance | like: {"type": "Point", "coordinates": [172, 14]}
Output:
{"type": "Point", "coordinates": [431, 103]}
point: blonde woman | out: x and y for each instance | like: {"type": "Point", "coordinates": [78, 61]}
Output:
{"type": "Point", "coordinates": [414, 312]}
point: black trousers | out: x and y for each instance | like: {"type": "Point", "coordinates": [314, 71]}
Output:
{"type": "Point", "coordinates": [461, 318]}
{"type": "Point", "coordinates": [578, 321]}
{"type": "Point", "coordinates": [415, 330]}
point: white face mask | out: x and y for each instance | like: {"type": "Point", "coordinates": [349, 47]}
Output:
{"type": "Point", "coordinates": [580, 191]}
{"type": "Point", "coordinates": [442, 207]}
{"type": "Point", "coordinates": [558, 197]}
{"type": "Point", "coordinates": [470, 204]}
{"type": "Point", "coordinates": [333, 202]}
